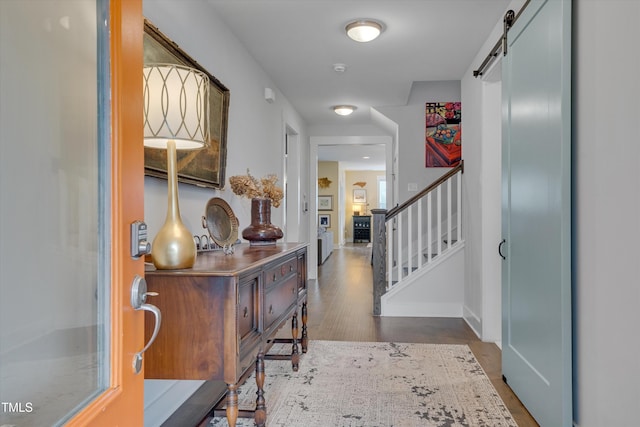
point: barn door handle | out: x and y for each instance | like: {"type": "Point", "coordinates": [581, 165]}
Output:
{"type": "Point", "coordinates": [500, 248]}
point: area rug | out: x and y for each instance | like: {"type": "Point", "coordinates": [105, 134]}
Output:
{"type": "Point", "coordinates": [353, 384]}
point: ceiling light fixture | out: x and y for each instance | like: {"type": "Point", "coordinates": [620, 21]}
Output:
{"type": "Point", "coordinates": [344, 110]}
{"type": "Point", "coordinates": [364, 30]}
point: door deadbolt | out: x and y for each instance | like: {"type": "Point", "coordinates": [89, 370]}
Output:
{"type": "Point", "coordinates": [139, 244]}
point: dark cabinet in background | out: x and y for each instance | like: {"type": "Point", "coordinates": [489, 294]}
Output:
{"type": "Point", "coordinates": [361, 228]}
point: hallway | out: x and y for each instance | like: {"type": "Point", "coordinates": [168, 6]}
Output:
{"type": "Point", "coordinates": [340, 306]}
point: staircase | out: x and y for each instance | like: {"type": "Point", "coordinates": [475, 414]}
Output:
{"type": "Point", "coordinates": [418, 257]}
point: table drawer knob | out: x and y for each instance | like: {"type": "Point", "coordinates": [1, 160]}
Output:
{"type": "Point", "coordinates": [245, 312]}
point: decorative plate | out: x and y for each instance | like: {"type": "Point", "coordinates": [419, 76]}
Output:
{"type": "Point", "coordinates": [221, 222]}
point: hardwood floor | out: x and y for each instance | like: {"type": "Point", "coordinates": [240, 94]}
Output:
{"type": "Point", "coordinates": [340, 309]}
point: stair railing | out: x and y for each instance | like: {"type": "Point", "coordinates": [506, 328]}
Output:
{"type": "Point", "coordinates": [411, 235]}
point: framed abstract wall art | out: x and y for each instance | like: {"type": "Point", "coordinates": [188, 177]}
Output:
{"type": "Point", "coordinates": [443, 134]}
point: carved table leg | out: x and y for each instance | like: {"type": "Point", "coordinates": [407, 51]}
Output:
{"type": "Point", "coordinates": [261, 409]}
{"type": "Point", "coordinates": [305, 338]}
{"type": "Point", "coordinates": [232, 404]}
{"type": "Point", "coordinates": [295, 355]}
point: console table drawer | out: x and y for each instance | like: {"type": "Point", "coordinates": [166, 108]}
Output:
{"type": "Point", "coordinates": [275, 274]}
{"type": "Point", "coordinates": [279, 299]}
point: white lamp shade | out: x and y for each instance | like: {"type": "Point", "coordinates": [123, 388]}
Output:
{"type": "Point", "coordinates": [176, 106]}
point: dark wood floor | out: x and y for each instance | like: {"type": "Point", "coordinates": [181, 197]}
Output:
{"type": "Point", "coordinates": [340, 309]}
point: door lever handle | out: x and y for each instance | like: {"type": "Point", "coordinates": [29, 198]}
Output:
{"type": "Point", "coordinates": [500, 248]}
{"type": "Point", "coordinates": [138, 302]}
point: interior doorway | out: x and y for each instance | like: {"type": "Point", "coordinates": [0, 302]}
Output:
{"type": "Point", "coordinates": [339, 141]}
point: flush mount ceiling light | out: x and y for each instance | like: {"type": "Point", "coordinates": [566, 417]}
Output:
{"type": "Point", "coordinates": [344, 110]}
{"type": "Point", "coordinates": [363, 30]}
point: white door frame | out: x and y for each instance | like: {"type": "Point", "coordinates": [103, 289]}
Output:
{"type": "Point", "coordinates": [315, 142]}
{"type": "Point", "coordinates": [293, 206]}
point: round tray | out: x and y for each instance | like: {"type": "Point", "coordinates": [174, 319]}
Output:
{"type": "Point", "coordinates": [221, 222]}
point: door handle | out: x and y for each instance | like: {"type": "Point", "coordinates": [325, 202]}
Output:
{"type": "Point", "coordinates": [138, 302]}
{"type": "Point", "coordinates": [500, 248]}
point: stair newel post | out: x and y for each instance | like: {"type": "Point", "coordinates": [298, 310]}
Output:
{"type": "Point", "coordinates": [379, 257]}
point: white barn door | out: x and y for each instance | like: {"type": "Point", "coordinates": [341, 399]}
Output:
{"type": "Point", "coordinates": [536, 298]}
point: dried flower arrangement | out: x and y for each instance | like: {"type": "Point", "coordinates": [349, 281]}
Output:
{"type": "Point", "coordinates": [250, 187]}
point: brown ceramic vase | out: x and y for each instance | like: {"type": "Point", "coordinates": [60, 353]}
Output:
{"type": "Point", "coordinates": [261, 232]}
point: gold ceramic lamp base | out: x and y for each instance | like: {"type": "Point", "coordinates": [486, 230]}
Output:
{"type": "Point", "coordinates": [173, 247]}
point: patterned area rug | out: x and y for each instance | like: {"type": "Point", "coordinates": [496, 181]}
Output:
{"type": "Point", "coordinates": [342, 384]}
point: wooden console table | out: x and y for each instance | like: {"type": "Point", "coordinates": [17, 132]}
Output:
{"type": "Point", "coordinates": [219, 318]}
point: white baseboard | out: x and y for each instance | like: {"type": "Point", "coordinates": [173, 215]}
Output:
{"type": "Point", "coordinates": [474, 322]}
{"type": "Point", "coordinates": [423, 310]}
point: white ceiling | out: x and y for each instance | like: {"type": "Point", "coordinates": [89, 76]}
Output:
{"type": "Point", "coordinates": [297, 42]}
{"type": "Point", "coordinates": [352, 157]}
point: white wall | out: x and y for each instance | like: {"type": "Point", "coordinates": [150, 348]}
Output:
{"type": "Point", "coordinates": [411, 133]}
{"type": "Point", "coordinates": [437, 291]}
{"type": "Point", "coordinates": [606, 154]}
{"type": "Point", "coordinates": [255, 140]}
{"type": "Point", "coordinates": [255, 130]}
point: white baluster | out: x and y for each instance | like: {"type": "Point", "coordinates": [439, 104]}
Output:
{"type": "Point", "coordinates": [429, 227]}
{"type": "Point", "coordinates": [420, 250]}
{"type": "Point", "coordinates": [439, 219]}
{"type": "Point", "coordinates": [459, 215]}
{"type": "Point", "coordinates": [449, 213]}
{"type": "Point", "coordinates": [400, 233]}
{"type": "Point", "coordinates": [409, 240]}
{"type": "Point", "coordinates": [389, 254]}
